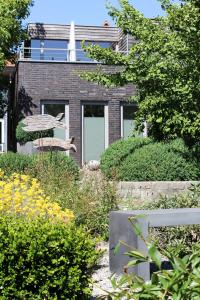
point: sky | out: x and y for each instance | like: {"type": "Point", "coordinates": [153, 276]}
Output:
{"type": "Point", "coordinates": [84, 12]}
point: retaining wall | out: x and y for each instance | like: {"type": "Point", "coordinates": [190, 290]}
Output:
{"type": "Point", "coordinates": [151, 190]}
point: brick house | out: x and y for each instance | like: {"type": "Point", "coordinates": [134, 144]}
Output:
{"type": "Point", "coordinates": [47, 81]}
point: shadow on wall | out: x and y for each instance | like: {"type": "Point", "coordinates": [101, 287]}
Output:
{"type": "Point", "coordinates": [37, 31]}
{"type": "Point", "coordinates": [25, 104]}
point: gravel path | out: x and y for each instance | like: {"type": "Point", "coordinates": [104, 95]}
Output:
{"type": "Point", "coordinates": [102, 274]}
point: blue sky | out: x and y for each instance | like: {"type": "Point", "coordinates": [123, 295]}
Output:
{"type": "Point", "coordinates": [86, 12]}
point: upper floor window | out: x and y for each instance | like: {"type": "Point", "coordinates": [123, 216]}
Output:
{"type": "Point", "coordinates": [82, 56]}
{"type": "Point", "coordinates": [59, 50]}
{"type": "Point", "coordinates": [49, 50]}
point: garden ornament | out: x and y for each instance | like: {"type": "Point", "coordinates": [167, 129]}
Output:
{"type": "Point", "coordinates": [42, 122]}
{"type": "Point", "coordinates": [46, 122]}
{"type": "Point", "coordinates": [49, 143]}
{"type": "Point", "coordinates": [93, 165]}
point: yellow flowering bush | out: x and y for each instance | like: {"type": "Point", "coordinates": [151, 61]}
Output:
{"type": "Point", "coordinates": [22, 195]}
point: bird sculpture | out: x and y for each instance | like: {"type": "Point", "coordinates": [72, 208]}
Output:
{"type": "Point", "coordinates": [46, 122]}
{"type": "Point", "coordinates": [43, 122]}
{"type": "Point", "coordinates": [49, 143]}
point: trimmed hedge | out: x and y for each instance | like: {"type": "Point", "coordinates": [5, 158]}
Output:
{"type": "Point", "coordinates": [23, 137]}
{"type": "Point", "coordinates": [44, 260]}
{"type": "Point", "coordinates": [144, 160]}
{"type": "Point", "coordinates": [112, 158]}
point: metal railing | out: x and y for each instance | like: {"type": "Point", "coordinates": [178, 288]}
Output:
{"type": "Point", "coordinates": [55, 54]}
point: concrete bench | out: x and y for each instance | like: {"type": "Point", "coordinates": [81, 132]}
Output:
{"type": "Point", "coordinates": [122, 230]}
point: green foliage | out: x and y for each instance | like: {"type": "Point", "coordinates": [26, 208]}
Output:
{"type": "Point", "coordinates": [12, 14]}
{"type": "Point", "coordinates": [139, 159]}
{"type": "Point", "coordinates": [178, 239]}
{"type": "Point", "coordinates": [38, 164]}
{"type": "Point", "coordinates": [43, 260]}
{"type": "Point", "coordinates": [12, 32]}
{"type": "Point", "coordinates": [14, 162]}
{"type": "Point", "coordinates": [56, 163]}
{"type": "Point", "coordinates": [158, 162]}
{"type": "Point", "coordinates": [23, 137]}
{"type": "Point", "coordinates": [117, 152]}
{"type": "Point", "coordinates": [91, 199]}
{"type": "Point", "coordinates": [180, 283]}
{"type": "Point", "coordinates": [164, 64]}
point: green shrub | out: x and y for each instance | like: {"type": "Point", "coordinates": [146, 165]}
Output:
{"type": "Point", "coordinates": [23, 137]}
{"type": "Point", "coordinates": [56, 163]}
{"type": "Point", "coordinates": [158, 162]}
{"type": "Point", "coordinates": [117, 152]}
{"type": "Point", "coordinates": [91, 200]}
{"type": "Point", "coordinates": [43, 260]}
{"type": "Point", "coordinates": [141, 159]}
{"type": "Point", "coordinates": [40, 164]}
{"type": "Point", "coordinates": [14, 162]}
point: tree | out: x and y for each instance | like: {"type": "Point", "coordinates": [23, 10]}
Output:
{"type": "Point", "coordinates": [164, 64]}
{"type": "Point", "coordinates": [12, 13]}
{"type": "Point", "coordinates": [12, 32]}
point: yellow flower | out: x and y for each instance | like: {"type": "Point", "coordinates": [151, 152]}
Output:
{"type": "Point", "coordinates": [23, 195]}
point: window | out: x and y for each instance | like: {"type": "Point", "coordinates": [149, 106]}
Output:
{"type": "Point", "coordinates": [127, 120]}
{"type": "Point", "coordinates": [54, 109]}
{"type": "Point", "coordinates": [49, 50]}
{"type": "Point", "coordinates": [82, 56]}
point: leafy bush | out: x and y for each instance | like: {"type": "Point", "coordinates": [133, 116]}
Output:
{"type": "Point", "coordinates": [23, 137]}
{"type": "Point", "coordinates": [157, 162]}
{"type": "Point", "coordinates": [14, 162]}
{"type": "Point", "coordinates": [117, 152]}
{"type": "Point", "coordinates": [178, 239]}
{"type": "Point", "coordinates": [180, 283]}
{"type": "Point", "coordinates": [90, 199]}
{"type": "Point", "coordinates": [92, 202]}
{"type": "Point", "coordinates": [141, 159]}
{"type": "Point", "coordinates": [58, 162]}
{"type": "Point", "coordinates": [22, 195]}
{"type": "Point", "coordinates": [138, 159]}
{"type": "Point", "coordinates": [44, 260]}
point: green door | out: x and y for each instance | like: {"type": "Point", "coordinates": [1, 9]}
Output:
{"type": "Point", "coordinates": [93, 131]}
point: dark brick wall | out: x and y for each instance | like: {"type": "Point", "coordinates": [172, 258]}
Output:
{"type": "Point", "coordinates": [61, 81]}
